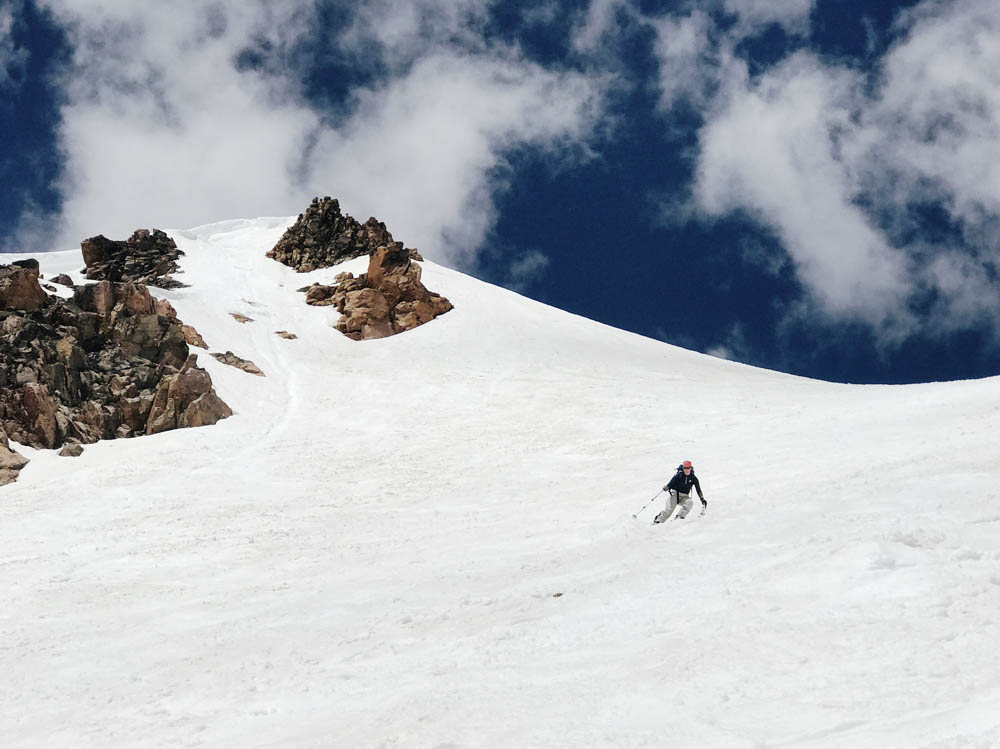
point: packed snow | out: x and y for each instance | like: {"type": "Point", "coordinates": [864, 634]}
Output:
{"type": "Point", "coordinates": [428, 541]}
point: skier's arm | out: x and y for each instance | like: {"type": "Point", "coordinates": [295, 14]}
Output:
{"type": "Point", "coordinates": [697, 485]}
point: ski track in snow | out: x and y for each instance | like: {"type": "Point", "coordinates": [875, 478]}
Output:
{"type": "Point", "coordinates": [427, 541]}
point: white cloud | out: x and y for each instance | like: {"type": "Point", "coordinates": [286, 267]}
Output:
{"type": "Point", "coordinates": [689, 59]}
{"type": "Point", "coordinates": [398, 33]}
{"type": "Point", "coordinates": [527, 269]}
{"type": "Point", "coordinates": [934, 131]}
{"type": "Point", "coordinates": [792, 15]}
{"type": "Point", "coordinates": [771, 151]}
{"type": "Point", "coordinates": [422, 151]}
{"type": "Point", "coordinates": [836, 170]}
{"type": "Point", "coordinates": [162, 128]}
{"type": "Point", "coordinates": [735, 346]}
{"type": "Point", "coordinates": [12, 56]}
{"type": "Point", "coordinates": [597, 23]}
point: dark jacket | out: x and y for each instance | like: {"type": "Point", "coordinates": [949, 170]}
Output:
{"type": "Point", "coordinates": [682, 484]}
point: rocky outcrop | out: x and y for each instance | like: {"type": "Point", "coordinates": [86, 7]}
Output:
{"type": "Point", "coordinates": [147, 257]}
{"type": "Point", "coordinates": [97, 366]}
{"type": "Point", "coordinates": [386, 300]}
{"type": "Point", "coordinates": [233, 360]}
{"type": "Point", "coordinates": [323, 237]}
{"type": "Point", "coordinates": [11, 462]}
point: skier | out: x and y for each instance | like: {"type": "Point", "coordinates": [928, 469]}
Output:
{"type": "Point", "coordinates": [679, 492]}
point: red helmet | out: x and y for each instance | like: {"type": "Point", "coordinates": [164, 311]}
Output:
{"type": "Point", "coordinates": [686, 464]}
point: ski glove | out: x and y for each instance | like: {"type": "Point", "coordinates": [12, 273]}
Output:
{"type": "Point", "coordinates": [704, 502]}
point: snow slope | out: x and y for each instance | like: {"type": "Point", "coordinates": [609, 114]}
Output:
{"type": "Point", "coordinates": [427, 541]}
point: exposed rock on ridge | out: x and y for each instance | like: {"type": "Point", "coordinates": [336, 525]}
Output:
{"type": "Point", "coordinates": [111, 362]}
{"type": "Point", "coordinates": [386, 300]}
{"type": "Point", "coordinates": [323, 237]}
{"type": "Point", "coordinates": [147, 257]}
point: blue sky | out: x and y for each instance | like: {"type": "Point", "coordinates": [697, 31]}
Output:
{"type": "Point", "coordinates": [805, 185]}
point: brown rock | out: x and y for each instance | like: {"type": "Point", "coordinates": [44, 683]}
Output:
{"type": "Point", "coordinates": [286, 334]}
{"type": "Point", "coordinates": [180, 400]}
{"type": "Point", "coordinates": [71, 450]}
{"type": "Point", "coordinates": [63, 280]}
{"type": "Point", "coordinates": [19, 289]}
{"type": "Point", "coordinates": [98, 298]}
{"type": "Point", "coordinates": [29, 264]}
{"type": "Point", "coordinates": [134, 411]}
{"type": "Point", "coordinates": [205, 410]}
{"type": "Point", "coordinates": [376, 329]}
{"type": "Point", "coordinates": [193, 337]}
{"type": "Point", "coordinates": [411, 314]}
{"type": "Point", "coordinates": [138, 301]}
{"type": "Point", "coordinates": [11, 461]}
{"type": "Point", "coordinates": [165, 308]}
{"type": "Point", "coordinates": [319, 295]}
{"type": "Point", "coordinates": [234, 361]}
{"type": "Point", "coordinates": [390, 298]}
{"type": "Point", "coordinates": [40, 413]}
{"type": "Point", "coordinates": [241, 318]}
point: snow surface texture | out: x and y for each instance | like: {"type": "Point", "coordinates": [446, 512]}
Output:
{"type": "Point", "coordinates": [427, 541]}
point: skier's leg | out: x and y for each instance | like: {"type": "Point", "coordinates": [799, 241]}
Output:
{"type": "Point", "coordinates": [671, 503]}
{"type": "Point", "coordinates": [686, 504]}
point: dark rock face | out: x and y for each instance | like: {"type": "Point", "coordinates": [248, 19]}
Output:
{"type": "Point", "coordinates": [147, 257]}
{"type": "Point", "coordinates": [386, 300]}
{"type": "Point", "coordinates": [323, 237]}
{"type": "Point", "coordinates": [111, 362]}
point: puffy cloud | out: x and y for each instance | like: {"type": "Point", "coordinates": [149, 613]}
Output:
{"type": "Point", "coordinates": [165, 125]}
{"type": "Point", "coordinates": [690, 60]}
{"type": "Point", "coordinates": [597, 23]}
{"type": "Point", "coordinates": [12, 56]}
{"type": "Point", "coordinates": [160, 128]}
{"type": "Point", "coordinates": [792, 15]}
{"type": "Point", "coordinates": [841, 164]}
{"type": "Point", "coordinates": [934, 131]}
{"type": "Point", "coordinates": [526, 269]}
{"type": "Point", "coordinates": [398, 33]}
{"type": "Point", "coordinates": [426, 148]}
{"type": "Point", "coordinates": [771, 151]}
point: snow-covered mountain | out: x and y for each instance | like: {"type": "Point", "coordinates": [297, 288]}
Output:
{"type": "Point", "coordinates": [427, 541]}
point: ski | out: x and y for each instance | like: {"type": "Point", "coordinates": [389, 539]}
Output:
{"type": "Point", "coordinates": [676, 517]}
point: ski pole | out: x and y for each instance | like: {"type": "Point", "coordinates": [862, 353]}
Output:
{"type": "Point", "coordinates": [648, 503]}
